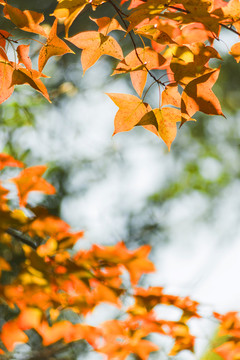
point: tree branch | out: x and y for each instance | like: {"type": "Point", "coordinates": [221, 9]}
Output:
{"type": "Point", "coordinates": [134, 44]}
{"type": "Point", "coordinates": [20, 236]}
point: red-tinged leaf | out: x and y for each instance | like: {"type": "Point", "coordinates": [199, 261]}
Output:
{"type": "Point", "coordinates": [54, 46]}
{"type": "Point", "coordinates": [193, 33]}
{"type": "Point", "coordinates": [106, 25]}
{"type": "Point", "coordinates": [11, 335]}
{"type": "Point", "coordinates": [94, 45]}
{"type": "Point", "coordinates": [23, 57]}
{"type": "Point", "coordinates": [230, 350]}
{"type": "Point", "coordinates": [31, 77]}
{"type": "Point", "coordinates": [6, 73]}
{"type": "Point", "coordinates": [8, 160]}
{"type": "Point", "coordinates": [230, 11]}
{"type": "Point", "coordinates": [198, 96]}
{"type": "Point", "coordinates": [219, 4]}
{"type": "Point", "coordinates": [235, 51]}
{"type": "Point", "coordinates": [68, 10]}
{"type": "Point", "coordinates": [150, 59]}
{"type": "Point", "coordinates": [31, 179]}
{"type": "Point", "coordinates": [131, 110]}
{"type": "Point", "coordinates": [26, 20]}
{"type": "Point", "coordinates": [3, 36]}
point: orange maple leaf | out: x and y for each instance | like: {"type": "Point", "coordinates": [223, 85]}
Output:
{"type": "Point", "coordinates": [6, 73]}
{"type": "Point", "coordinates": [146, 58]}
{"type": "Point", "coordinates": [131, 110]}
{"type": "Point", "coordinates": [31, 77]}
{"type": "Point", "coordinates": [8, 160]}
{"type": "Point", "coordinates": [23, 57]}
{"type": "Point", "coordinates": [31, 179]}
{"type": "Point", "coordinates": [94, 45]}
{"type": "Point", "coordinates": [235, 51]}
{"type": "Point", "coordinates": [54, 46]}
{"type": "Point", "coordinates": [26, 20]}
{"type": "Point", "coordinates": [68, 11]}
{"type": "Point", "coordinates": [198, 96]}
{"type": "Point", "coordinates": [106, 25]}
{"type": "Point", "coordinates": [163, 122]}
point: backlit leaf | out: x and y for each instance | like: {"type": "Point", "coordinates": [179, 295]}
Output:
{"type": "Point", "coordinates": [131, 110]}
{"type": "Point", "coordinates": [31, 179]}
{"type": "Point", "coordinates": [94, 45]}
{"type": "Point", "coordinates": [54, 46]}
{"type": "Point", "coordinates": [31, 77]}
{"type": "Point", "coordinates": [26, 20]}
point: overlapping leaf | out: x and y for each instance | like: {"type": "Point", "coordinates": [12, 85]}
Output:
{"type": "Point", "coordinates": [31, 179]}
{"type": "Point", "coordinates": [54, 46]}
{"type": "Point", "coordinates": [198, 95]}
{"type": "Point", "coordinates": [94, 45]}
{"type": "Point", "coordinates": [137, 63]}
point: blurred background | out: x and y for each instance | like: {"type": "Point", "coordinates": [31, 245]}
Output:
{"type": "Point", "coordinates": [185, 203]}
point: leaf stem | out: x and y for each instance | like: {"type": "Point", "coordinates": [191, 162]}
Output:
{"type": "Point", "coordinates": [134, 44]}
{"type": "Point", "coordinates": [20, 236]}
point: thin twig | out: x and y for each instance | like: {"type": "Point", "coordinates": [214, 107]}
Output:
{"type": "Point", "coordinates": [230, 29]}
{"type": "Point", "coordinates": [134, 44]}
{"type": "Point", "coordinates": [20, 236]}
{"type": "Point", "coordinates": [177, 8]}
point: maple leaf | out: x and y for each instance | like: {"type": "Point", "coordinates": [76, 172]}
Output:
{"type": "Point", "coordinates": [198, 96]}
{"type": "Point", "coordinates": [131, 110]}
{"type": "Point", "coordinates": [106, 25]}
{"type": "Point", "coordinates": [94, 45]}
{"type": "Point", "coordinates": [4, 265]}
{"type": "Point", "coordinates": [4, 35]}
{"type": "Point", "coordinates": [147, 57]}
{"type": "Point", "coordinates": [68, 10]}
{"type": "Point", "coordinates": [229, 350]}
{"type": "Point", "coordinates": [235, 51]}
{"type": "Point", "coordinates": [171, 96]}
{"type": "Point", "coordinates": [30, 179]}
{"type": "Point", "coordinates": [26, 20]}
{"type": "Point", "coordinates": [54, 46]}
{"type": "Point", "coordinates": [8, 160]}
{"type": "Point", "coordinates": [139, 264]}
{"type": "Point", "coordinates": [31, 77]}
{"type": "Point", "coordinates": [6, 73]}
{"type": "Point", "coordinates": [123, 338]}
{"type": "Point", "coordinates": [29, 318]}
{"type": "Point", "coordinates": [11, 335]}
{"type": "Point", "coordinates": [148, 10]}
{"type": "Point", "coordinates": [23, 57]}
{"type": "Point", "coordinates": [164, 121]}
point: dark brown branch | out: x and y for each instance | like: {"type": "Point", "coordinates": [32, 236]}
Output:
{"type": "Point", "coordinates": [178, 9]}
{"type": "Point", "coordinates": [20, 236]}
{"type": "Point", "coordinates": [230, 29]}
{"type": "Point", "coordinates": [134, 44]}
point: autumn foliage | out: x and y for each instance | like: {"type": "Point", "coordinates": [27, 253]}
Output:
{"type": "Point", "coordinates": [177, 47]}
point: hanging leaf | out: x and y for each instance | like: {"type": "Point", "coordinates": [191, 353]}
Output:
{"type": "Point", "coordinates": [31, 179]}
{"type": "Point", "coordinates": [94, 45]}
{"type": "Point", "coordinates": [54, 46]}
